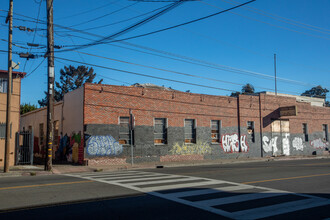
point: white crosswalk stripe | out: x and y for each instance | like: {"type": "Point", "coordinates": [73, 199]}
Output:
{"type": "Point", "coordinates": [206, 194]}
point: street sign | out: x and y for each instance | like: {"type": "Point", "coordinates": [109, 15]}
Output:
{"type": "Point", "coordinates": [288, 111]}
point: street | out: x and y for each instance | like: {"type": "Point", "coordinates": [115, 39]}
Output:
{"type": "Point", "coordinates": [298, 189]}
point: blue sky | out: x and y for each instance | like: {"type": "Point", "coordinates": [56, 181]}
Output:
{"type": "Point", "coordinates": [298, 31]}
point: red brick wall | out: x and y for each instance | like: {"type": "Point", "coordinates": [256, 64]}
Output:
{"type": "Point", "coordinates": [105, 103]}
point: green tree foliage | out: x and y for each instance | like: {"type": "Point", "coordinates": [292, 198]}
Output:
{"type": "Point", "coordinates": [247, 89]}
{"type": "Point", "coordinates": [71, 78]}
{"type": "Point", "coordinates": [27, 107]}
{"type": "Point", "coordinates": [317, 92]}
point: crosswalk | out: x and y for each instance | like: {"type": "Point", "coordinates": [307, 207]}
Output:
{"type": "Point", "coordinates": [233, 200]}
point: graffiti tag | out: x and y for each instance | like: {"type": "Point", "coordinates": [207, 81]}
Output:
{"type": "Point", "coordinates": [103, 146]}
{"type": "Point", "coordinates": [230, 143]}
{"type": "Point", "coordinates": [297, 144]}
{"type": "Point", "coordinates": [319, 144]}
{"type": "Point", "coordinates": [270, 145]}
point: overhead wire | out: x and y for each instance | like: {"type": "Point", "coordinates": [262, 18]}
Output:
{"type": "Point", "coordinates": [105, 15]}
{"type": "Point", "coordinates": [274, 25]}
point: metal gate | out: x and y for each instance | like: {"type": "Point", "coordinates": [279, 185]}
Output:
{"type": "Point", "coordinates": [24, 148]}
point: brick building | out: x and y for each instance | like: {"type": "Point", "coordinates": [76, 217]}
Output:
{"type": "Point", "coordinates": [15, 112]}
{"type": "Point", "coordinates": [169, 125]}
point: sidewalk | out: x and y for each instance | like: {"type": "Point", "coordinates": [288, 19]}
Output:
{"type": "Point", "coordinates": [38, 170]}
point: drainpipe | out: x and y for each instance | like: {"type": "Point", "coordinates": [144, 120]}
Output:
{"type": "Point", "coordinates": [261, 125]}
{"type": "Point", "coordinates": [238, 124]}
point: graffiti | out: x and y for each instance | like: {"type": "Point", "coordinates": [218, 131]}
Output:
{"type": "Point", "coordinates": [103, 146]}
{"type": "Point", "coordinates": [269, 145]}
{"type": "Point", "coordinates": [230, 143]}
{"type": "Point", "coordinates": [297, 144]}
{"type": "Point", "coordinates": [189, 149]}
{"type": "Point", "coordinates": [286, 144]}
{"type": "Point", "coordinates": [319, 143]}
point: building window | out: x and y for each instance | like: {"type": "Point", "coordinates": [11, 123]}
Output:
{"type": "Point", "coordinates": [325, 132]}
{"type": "Point", "coordinates": [160, 131]}
{"type": "Point", "coordinates": [189, 131]}
{"type": "Point", "coordinates": [215, 131]}
{"type": "Point", "coordinates": [124, 131]}
{"type": "Point", "coordinates": [3, 85]}
{"type": "Point", "coordinates": [305, 131]}
{"type": "Point", "coordinates": [2, 130]}
{"type": "Point", "coordinates": [41, 134]}
{"type": "Point", "coordinates": [250, 130]}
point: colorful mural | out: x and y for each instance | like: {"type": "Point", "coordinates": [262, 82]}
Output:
{"type": "Point", "coordinates": [189, 149]}
{"type": "Point", "coordinates": [103, 146]}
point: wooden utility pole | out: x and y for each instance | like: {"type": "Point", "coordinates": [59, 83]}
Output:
{"type": "Point", "coordinates": [51, 75]}
{"type": "Point", "coordinates": [9, 85]}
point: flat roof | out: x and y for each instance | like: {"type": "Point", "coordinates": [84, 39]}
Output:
{"type": "Point", "coordinates": [21, 74]}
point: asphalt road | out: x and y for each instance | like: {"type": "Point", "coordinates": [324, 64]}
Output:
{"type": "Point", "coordinates": [298, 189]}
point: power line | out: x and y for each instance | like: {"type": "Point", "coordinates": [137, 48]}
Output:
{"type": "Point", "coordinates": [281, 18]}
{"type": "Point", "coordinates": [145, 75]}
{"type": "Point", "coordinates": [88, 11]}
{"type": "Point", "coordinates": [161, 30]}
{"type": "Point", "coordinates": [172, 71]}
{"type": "Point", "coordinates": [121, 21]}
{"type": "Point", "coordinates": [105, 15]}
{"type": "Point", "coordinates": [274, 25]}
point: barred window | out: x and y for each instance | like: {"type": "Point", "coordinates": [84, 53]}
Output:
{"type": "Point", "coordinates": [124, 131]}
{"type": "Point", "coordinates": [160, 131]}
{"type": "Point", "coordinates": [189, 131]}
{"type": "Point", "coordinates": [215, 131]}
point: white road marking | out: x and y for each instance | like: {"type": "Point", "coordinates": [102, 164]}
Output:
{"type": "Point", "coordinates": [134, 180]}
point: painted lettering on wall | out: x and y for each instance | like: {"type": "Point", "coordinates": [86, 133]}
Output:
{"type": "Point", "coordinates": [103, 146]}
{"type": "Point", "coordinates": [270, 145]}
{"type": "Point", "coordinates": [230, 143]}
{"type": "Point", "coordinates": [319, 143]}
{"type": "Point", "coordinates": [286, 144]}
{"type": "Point", "coordinates": [189, 149]}
{"type": "Point", "coordinates": [297, 144]}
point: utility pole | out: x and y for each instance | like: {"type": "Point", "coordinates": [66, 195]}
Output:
{"type": "Point", "coordinates": [275, 73]}
{"type": "Point", "coordinates": [51, 75]}
{"type": "Point", "coordinates": [9, 85]}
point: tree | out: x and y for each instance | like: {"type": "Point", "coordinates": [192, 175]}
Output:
{"type": "Point", "coordinates": [317, 92]}
{"type": "Point", "coordinates": [71, 78]}
{"type": "Point", "coordinates": [27, 107]}
{"type": "Point", "coordinates": [247, 89]}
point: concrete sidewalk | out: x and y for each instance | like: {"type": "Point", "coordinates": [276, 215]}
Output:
{"type": "Point", "coordinates": [29, 170]}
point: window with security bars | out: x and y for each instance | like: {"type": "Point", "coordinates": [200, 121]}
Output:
{"type": "Point", "coordinates": [215, 131]}
{"type": "Point", "coordinates": [305, 131]}
{"type": "Point", "coordinates": [325, 132]}
{"type": "Point", "coordinates": [189, 131]}
{"type": "Point", "coordinates": [160, 131]}
{"type": "Point", "coordinates": [124, 131]}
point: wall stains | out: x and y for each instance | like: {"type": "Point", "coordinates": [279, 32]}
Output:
{"type": "Point", "coordinates": [230, 143]}
{"type": "Point", "coordinates": [319, 143]}
{"type": "Point", "coordinates": [103, 146]}
{"type": "Point", "coordinates": [189, 149]}
{"type": "Point", "coordinates": [297, 144]}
